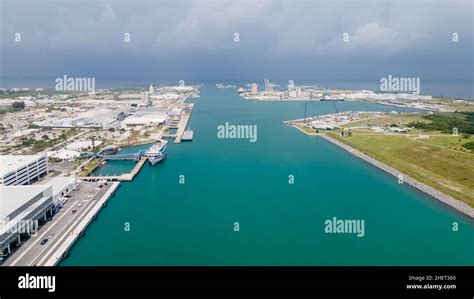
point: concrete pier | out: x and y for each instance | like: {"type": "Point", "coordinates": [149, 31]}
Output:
{"type": "Point", "coordinates": [183, 123]}
{"type": "Point", "coordinates": [65, 228]}
{"type": "Point", "coordinates": [187, 136]}
{"type": "Point", "coordinates": [69, 237]}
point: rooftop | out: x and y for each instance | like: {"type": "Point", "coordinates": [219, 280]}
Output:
{"type": "Point", "coordinates": [13, 197]}
{"type": "Point", "coordinates": [59, 183]}
{"type": "Point", "coordinates": [9, 163]}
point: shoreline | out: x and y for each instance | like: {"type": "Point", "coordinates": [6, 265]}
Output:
{"type": "Point", "coordinates": [443, 198]}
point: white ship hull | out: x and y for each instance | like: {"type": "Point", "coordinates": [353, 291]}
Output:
{"type": "Point", "coordinates": [155, 159]}
{"type": "Point", "coordinates": [156, 152]}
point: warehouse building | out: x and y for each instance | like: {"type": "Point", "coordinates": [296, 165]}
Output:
{"type": "Point", "coordinates": [23, 209]}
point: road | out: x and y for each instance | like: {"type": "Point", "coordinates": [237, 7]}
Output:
{"type": "Point", "coordinates": [32, 253]}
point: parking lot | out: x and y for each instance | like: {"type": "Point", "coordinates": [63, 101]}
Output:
{"type": "Point", "coordinates": [38, 248]}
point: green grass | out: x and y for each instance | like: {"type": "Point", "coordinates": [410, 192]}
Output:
{"type": "Point", "coordinates": [94, 163]}
{"type": "Point", "coordinates": [454, 106]}
{"type": "Point", "coordinates": [306, 129]}
{"type": "Point", "coordinates": [430, 161]}
{"type": "Point", "coordinates": [401, 119]}
{"type": "Point", "coordinates": [443, 161]}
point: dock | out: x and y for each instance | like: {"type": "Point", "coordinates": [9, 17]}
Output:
{"type": "Point", "coordinates": [65, 228]}
{"type": "Point", "coordinates": [126, 177]}
{"type": "Point", "coordinates": [187, 135]}
{"type": "Point", "coordinates": [183, 123]}
{"type": "Point", "coordinates": [68, 238]}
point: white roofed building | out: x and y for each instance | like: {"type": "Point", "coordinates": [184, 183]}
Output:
{"type": "Point", "coordinates": [146, 119]}
{"type": "Point", "coordinates": [22, 169]}
{"type": "Point", "coordinates": [22, 208]}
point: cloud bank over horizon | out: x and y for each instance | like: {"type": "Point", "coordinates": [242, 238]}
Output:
{"type": "Point", "coordinates": [194, 40]}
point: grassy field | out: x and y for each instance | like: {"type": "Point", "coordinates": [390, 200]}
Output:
{"type": "Point", "coordinates": [449, 104]}
{"type": "Point", "coordinates": [440, 160]}
{"type": "Point", "coordinates": [399, 119]}
{"type": "Point", "coordinates": [434, 161]}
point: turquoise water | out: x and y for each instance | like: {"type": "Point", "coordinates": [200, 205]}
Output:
{"type": "Point", "coordinates": [232, 180]}
{"type": "Point", "coordinates": [120, 167]}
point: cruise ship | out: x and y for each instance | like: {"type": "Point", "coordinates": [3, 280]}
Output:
{"type": "Point", "coordinates": [156, 152]}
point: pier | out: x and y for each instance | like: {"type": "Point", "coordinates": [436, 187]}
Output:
{"type": "Point", "coordinates": [126, 177]}
{"type": "Point", "coordinates": [76, 230]}
{"type": "Point", "coordinates": [65, 228]}
{"type": "Point", "coordinates": [183, 123]}
{"type": "Point", "coordinates": [187, 135]}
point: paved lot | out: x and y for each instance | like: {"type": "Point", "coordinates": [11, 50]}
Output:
{"type": "Point", "coordinates": [32, 253]}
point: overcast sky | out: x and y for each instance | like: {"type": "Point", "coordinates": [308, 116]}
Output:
{"type": "Point", "coordinates": [194, 40]}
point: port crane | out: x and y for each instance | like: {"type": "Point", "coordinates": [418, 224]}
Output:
{"type": "Point", "coordinates": [269, 86]}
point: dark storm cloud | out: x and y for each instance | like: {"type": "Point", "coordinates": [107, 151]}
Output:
{"type": "Point", "coordinates": [279, 39]}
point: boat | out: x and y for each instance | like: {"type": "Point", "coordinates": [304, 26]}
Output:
{"type": "Point", "coordinates": [157, 152]}
{"type": "Point", "coordinates": [228, 86]}
{"type": "Point", "coordinates": [327, 97]}
{"type": "Point", "coordinates": [110, 150]}
{"type": "Point", "coordinates": [242, 90]}
{"type": "Point", "coordinates": [332, 100]}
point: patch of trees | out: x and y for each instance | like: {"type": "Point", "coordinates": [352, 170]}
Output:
{"type": "Point", "coordinates": [444, 123]}
{"type": "Point", "coordinates": [469, 145]}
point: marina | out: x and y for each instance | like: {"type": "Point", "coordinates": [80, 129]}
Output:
{"type": "Point", "coordinates": [154, 154]}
